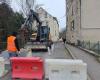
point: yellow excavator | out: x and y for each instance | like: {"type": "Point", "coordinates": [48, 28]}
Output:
{"type": "Point", "coordinates": [33, 37]}
{"type": "Point", "coordinates": [40, 39]}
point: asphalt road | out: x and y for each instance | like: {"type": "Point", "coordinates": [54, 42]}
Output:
{"type": "Point", "coordinates": [58, 51]}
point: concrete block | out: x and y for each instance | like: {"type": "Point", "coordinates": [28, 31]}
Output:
{"type": "Point", "coordinates": [62, 69]}
{"type": "Point", "coordinates": [5, 54]}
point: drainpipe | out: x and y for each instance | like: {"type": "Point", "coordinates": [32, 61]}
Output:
{"type": "Point", "coordinates": [80, 13]}
{"type": "Point", "coordinates": [80, 19]}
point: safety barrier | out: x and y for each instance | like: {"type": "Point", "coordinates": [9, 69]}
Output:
{"type": "Point", "coordinates": [55, 69]}
{"type": "Point", "coordinates": [61, 69]}
{"type": "Point", "coordinates": [2, 66]}
{"type": "Point", "coordinates": [27, 68]}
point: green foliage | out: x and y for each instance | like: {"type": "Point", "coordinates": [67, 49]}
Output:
{"type": "Point", "coordinates": [15, 22]}
{"type": "Point", "coordinates": [9, 21]}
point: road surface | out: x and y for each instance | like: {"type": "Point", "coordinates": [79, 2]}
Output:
{"type": "Point", "coordinates": [58, 51]}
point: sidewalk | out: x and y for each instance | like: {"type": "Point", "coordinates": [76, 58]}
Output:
{"type": "Point", "coordinates": [92, 64]}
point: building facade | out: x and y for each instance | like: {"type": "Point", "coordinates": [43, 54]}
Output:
{"type": "Point", "coordinates": [83, 20]}
{"type": "Point", "coordinates": [50, 21]}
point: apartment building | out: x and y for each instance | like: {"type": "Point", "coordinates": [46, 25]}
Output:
{"type": "Point", "coordinates": [83, 20]}
{"type": "Point", "coordinates": [50, 21]}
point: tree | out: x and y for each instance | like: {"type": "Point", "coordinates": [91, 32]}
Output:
{"type": "Point", "coordinates": [15, 22]}
{"type": "Point", "coordinates": [9, 21]}
{"type": "Point", "coordinates": [5, 1]}
{"type": "Point", "coordinates": [26, 5]}
{"type": "Point", "coordinates": [5, 13]}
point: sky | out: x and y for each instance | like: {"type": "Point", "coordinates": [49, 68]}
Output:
{"type": "Point", "coordinates": [55, 7]}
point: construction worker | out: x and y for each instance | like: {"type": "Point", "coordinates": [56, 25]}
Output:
{"type": "Point", "coordinates": [12, 45]}
{"type": "Point", "coordinates": [51, 42]}
{"type": "Point", "coordinates": [64, 40]}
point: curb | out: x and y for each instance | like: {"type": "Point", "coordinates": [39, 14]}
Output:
{"type": "Point", "coordinates": [89, 51]}
{"type": "Point", "coordinates": [69, 51]}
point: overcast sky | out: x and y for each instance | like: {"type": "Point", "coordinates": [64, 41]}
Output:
{"type": "Point", "coordinates": [55, 7]}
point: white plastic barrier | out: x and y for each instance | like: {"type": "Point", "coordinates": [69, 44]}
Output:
{"type": "Point", "coordinates": [62, 69]}
{"type": "Point", "coordinates": [2, 66]}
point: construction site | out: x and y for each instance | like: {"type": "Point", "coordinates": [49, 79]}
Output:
{"type": "Point", "coordinates": [32, 46]}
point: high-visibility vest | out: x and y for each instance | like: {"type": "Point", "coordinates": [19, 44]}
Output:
{"type": "Point", "coordinates": [11, 44]}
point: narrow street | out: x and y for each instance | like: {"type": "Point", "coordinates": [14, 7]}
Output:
{"type": "Point", "coordinates": [50, 33]}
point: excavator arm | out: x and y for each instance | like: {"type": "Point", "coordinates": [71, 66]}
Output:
{"type": "Point", "coordinates": [29, 20]}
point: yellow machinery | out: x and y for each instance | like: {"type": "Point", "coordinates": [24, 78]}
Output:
{"type": "Point", "coordinates": [33, 37]}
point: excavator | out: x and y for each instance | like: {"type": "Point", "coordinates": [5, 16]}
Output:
{"type": "Point", "coordinates": [40, 39]}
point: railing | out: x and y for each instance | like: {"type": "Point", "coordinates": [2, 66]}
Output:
{"type": "Point", "coordinates": [91, 46]}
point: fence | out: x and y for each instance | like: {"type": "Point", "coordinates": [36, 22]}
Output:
{"type": "Point", "coordinates": [91, 46]}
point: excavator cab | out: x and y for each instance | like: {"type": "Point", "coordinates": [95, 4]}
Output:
{"type": "Point", "coordinates": [43, 33]}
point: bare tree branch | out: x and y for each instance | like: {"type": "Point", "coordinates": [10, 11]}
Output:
{"type": "Point", "coordinates": [5, 1]}
{"type": "Point", "coordinates": [26, 5]}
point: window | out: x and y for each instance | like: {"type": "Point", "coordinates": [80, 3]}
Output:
{"type": "Point", "coordinates": [67, 19]}
{"type": "Point", "coordinates": [47, 23]}
{"type": "Point", "coordinates": [71, 1]}
{"type": "Point", "coordinates": [55, 32]}
{"type": "Point", "coordinates": [72, 25]}
{"type": "Point", "coordinates": [46, 15]}
{"type": "Point", "coordinates": [72, 11]}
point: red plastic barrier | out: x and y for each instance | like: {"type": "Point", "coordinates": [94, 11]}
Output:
{"type": "Point", "coordinates": [27, 68]}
